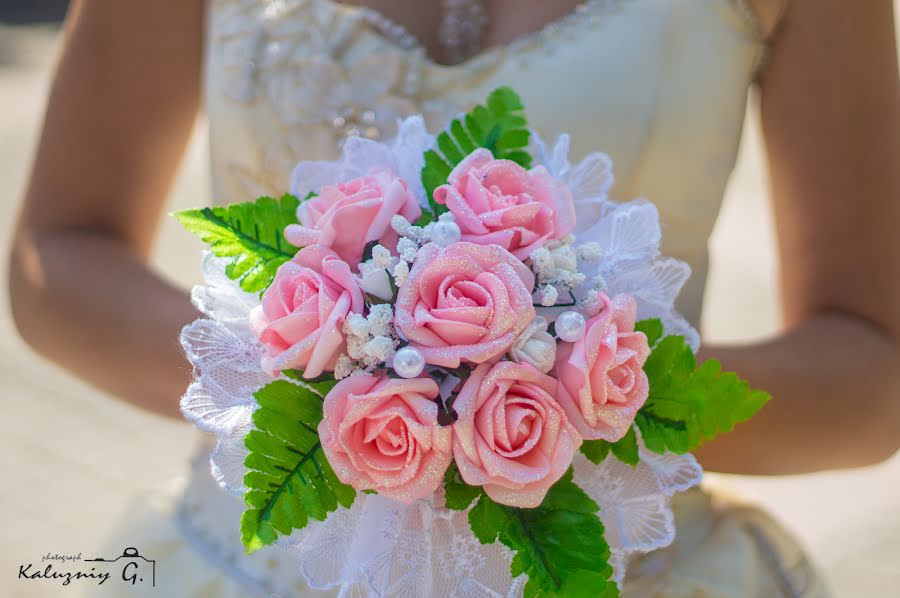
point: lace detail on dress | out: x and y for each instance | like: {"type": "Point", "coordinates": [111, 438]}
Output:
{"type": "Point", "coordinates": [294, 59]}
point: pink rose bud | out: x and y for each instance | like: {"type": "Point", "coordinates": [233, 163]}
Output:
{"type": "Point", "coordinates": [512, 437]}
{"type": "Point", "coordinates": [499, 202]}
{"type": "Point", "coordinates": [602, 380]}
{"type": "Point", "coordinates": [381, 434]}
{"type": "Point", "coordinates": [347, 216]}
{"type": "Point", "coordinates": [301, 319]}
{"type": "Point", "coordinates": [465, 302]}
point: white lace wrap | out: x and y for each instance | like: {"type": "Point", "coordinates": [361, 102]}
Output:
{"type": "Point", "coordinates": [379, 546]}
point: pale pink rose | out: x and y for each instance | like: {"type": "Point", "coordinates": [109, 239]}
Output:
{"type": "Point", "coordinates": [349, 215]}
{"type": "Point", "coordinates": [499, 202]}
{"type": "Point", "coordinates": [465, 302]}
{"type": "Point", "coordinates": [382, 434]}
{"type": "Point", "coordinates": [602, 380]}
{"type": "Point", "coordinates": [301, 319]}
{"type": "Point", "coordinates": [512, 437]}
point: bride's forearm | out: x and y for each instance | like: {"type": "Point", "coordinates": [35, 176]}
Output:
{"type": "Point", "coordinates": [835, 385]}
{"type": "Point", "coordinates": [89, 303]}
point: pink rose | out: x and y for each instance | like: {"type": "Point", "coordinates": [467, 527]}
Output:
{"type": "Point", "coordinates": [381, 434]}
{"type": "Point", "coordinates": [499, 202]}
{"type": "Point", "coordinates": [301, 318]}
{"type": "Point", "coordinates": [602, 380]}
{"type": "Point", "coordinates": [464, 302]}
{"type": "Point", "coordinates": [348, 215]}
{"type": "Point", "coordinates": [511, 436]}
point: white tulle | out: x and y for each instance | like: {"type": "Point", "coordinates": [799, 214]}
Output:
{"type": "Point", "coordinates": [384, 548]}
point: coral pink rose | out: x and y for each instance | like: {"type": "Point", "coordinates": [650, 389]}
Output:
{"type": "Point", "coordinates": [381, 434]}
{"type": "Point", "coordinates": [465, 302]}
{"type": "Point", "coordinates": [348, 215]}
{"type": "Point", "coordinates": [602, 380]}
{"type": "Point", "coordinates": [301, 319]}
{"type": "Point", "coordinates": [511, 436]}
{"type": "Point", "coordinates": [499, 202]}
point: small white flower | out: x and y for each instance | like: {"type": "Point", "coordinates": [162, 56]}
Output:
{"type": "Point", "coordinates": [381, 317]}
{"type": "Point", "coordinates": [548, 295]}
{"type": "Point", "coordinates": [589, 252]}
{"type": "Point", "coordinates": [400, 225]}
{"type": "Point", "coordinates": [535, 346]}
{"type": "Point", "coordinates": [407, 249]}
{"type": "Point", "coordinates": [401, 273]}
{"type": "Point", "coordinates": [356, 347]}
{"type": "Point", "coordinates": [344, 366]}
{"type": "Point", "coordinates": [542, 262]}
{"type": "Point", "coordinates": [564, 258]}
{"type": "Point", "coordinates": [381, 256]}
{"type": "Point", "coordinates": [356, 325]}
{"type": "Point", "coordinates": [380, 348]}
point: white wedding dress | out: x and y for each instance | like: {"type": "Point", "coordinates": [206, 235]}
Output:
{"type": "Point", "coordinates": [659, 85]}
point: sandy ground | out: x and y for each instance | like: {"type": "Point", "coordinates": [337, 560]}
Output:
{"type": "Point", "coordinates": [74, 461]}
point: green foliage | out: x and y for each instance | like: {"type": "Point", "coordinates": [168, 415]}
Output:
{"type": "Point", "coordinates": [498, 125]}
{"type": "Point", "coordinates": [625, 450]}
{"type": "Point", "coordinates": [559, 545]}
{"type": "Point", "coordinates": [251, 233]}
{"type": "Point", "coordinates": [457, 494]}
{"type": "Point", "coordinates": [689, 405]}
{"type": "Point", "coordinates": [652, 328]}
{"type": "Point", "coordinates": [289, 479]}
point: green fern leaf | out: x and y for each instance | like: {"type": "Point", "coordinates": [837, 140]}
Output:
{"type": "Point", "coordinates": [559, 545]}
{"type": "Point", "coordinates": [625, 450]}
{"type": "Point", "coordinates": [251, 233]}
{"type": "Point", "coordinates": [289, 480]}
{"type": "Point", "coordinates": [498, 125]}
{"type": "Point", "coordinates": [689, 405]}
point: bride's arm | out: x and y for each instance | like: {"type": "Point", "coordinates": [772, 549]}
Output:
{"type": "Point", "coordinates": [830, 105]}
{"type": "Point", "coordinates": [123, 102]}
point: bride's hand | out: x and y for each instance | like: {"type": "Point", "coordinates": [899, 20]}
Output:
{"type": "Point", "coordinates": [123, 102]}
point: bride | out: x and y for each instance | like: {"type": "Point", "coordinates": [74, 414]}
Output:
{"type": "Point", "coordinates": [659, 85]}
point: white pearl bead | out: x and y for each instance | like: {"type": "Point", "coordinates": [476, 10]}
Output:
{"type": "Point", "coordinates": [408, 362]}
{"type": "Point", "coordinates": [570, 326]}
{"type": "Point", "coordinates": [445, 233]}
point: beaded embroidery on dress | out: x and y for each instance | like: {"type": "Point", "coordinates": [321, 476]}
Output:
{"type": "Point", "coordinates": [292, 80]}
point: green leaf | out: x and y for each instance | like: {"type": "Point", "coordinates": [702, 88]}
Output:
{"type": "Point", "coordinates": [625, 450]}
{"type": "Point", "coordinates": [689, 405]}
{"type": "Point", "coordinates": [652, 329]}
{"type": "Point", "coordinates": [558, 545]}
{"type": "Point", "coordinates": [289, 480]}
{"type": "Point", "coordinates": [457, 494]}
{"type": "Point", "coordinates": [250, 233]}
{"type": "Point", "coordinates": [595, 450]}
{"type": "Point", "coordinates": [498, 125]}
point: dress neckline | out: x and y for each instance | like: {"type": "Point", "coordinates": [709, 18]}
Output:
{"type": "Point", "coordinates": [585, 12]}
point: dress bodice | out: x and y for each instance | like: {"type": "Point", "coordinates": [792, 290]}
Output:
{"type": "Point", "coordinates": [660, 86]}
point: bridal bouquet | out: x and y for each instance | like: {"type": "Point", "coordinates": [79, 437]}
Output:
{"type": "Point", "coordinates": [447, 342]}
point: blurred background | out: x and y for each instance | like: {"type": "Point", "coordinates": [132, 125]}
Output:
{"type": "Point", "coordinates": [850, 521]}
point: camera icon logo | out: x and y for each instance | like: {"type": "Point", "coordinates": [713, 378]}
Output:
{"type": "Point", "coordinates": [135, 567]}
